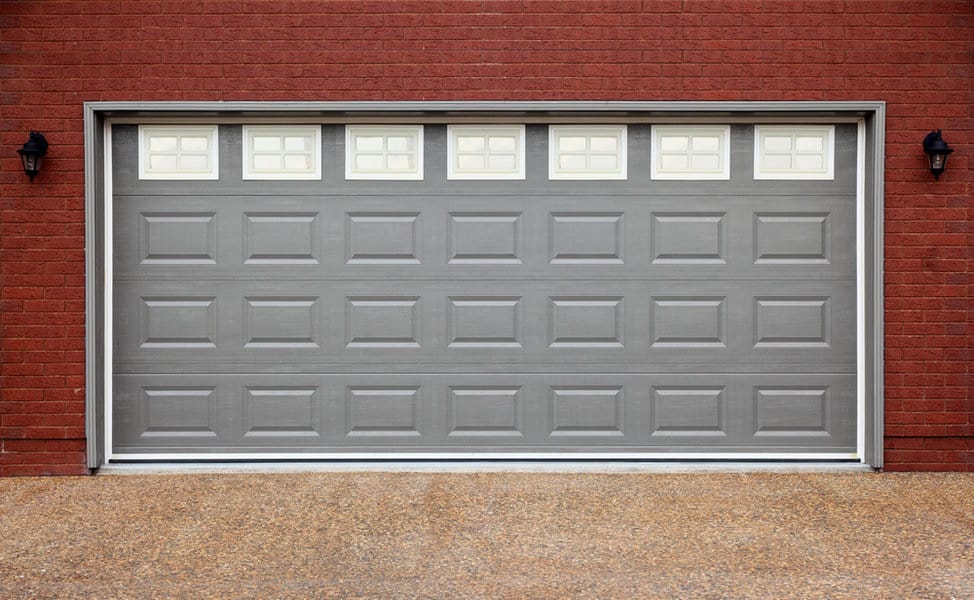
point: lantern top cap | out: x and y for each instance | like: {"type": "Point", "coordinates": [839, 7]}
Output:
{"type": "Point", "coordinates": [935, 144]}
{"type": "Point", "coordinates": [36, 144]}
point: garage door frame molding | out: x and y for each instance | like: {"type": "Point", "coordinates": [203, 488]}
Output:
{"type": "Point", "coordinates": [869, 115]}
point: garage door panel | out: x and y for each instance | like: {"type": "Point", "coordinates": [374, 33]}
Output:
{"type": "Point", "coordinates": [541, 322]}
{"type": "Point", "coordinates": [459, 412]}
{"type": "Point", "coordinates": [337, 238]}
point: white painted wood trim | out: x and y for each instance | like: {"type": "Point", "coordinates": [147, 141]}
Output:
{"type": "Point", "coordinates": [399, 456]}
{"type": "Point", "coordinates": [107, 315]}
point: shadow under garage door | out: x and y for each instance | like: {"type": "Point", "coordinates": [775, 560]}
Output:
{"type": "Point", "coordinates": [496, 317]}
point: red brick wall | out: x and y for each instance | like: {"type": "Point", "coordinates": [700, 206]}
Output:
{"type": "Point", "coordinates": [915, 55]}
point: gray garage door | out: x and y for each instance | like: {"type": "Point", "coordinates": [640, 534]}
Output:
{"type": "Point", "coordinates": [328, 317]}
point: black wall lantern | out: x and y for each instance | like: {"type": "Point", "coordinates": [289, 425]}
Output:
{"type": "Point", "coordinates": [937, 150]}
{"type": "Point", "coordinates": [32, 154]}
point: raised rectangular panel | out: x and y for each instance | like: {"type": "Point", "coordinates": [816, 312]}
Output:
{"type": "Point", "coordinates": [178, 238]}
{"type": "Point", "coordinates": [179, 152]}
{"type": "Point", "coordinates": [387, 411]}
{"type": "Point", "coordinates": [484, 322]}
{"type": "Point", "coordinates": [689, 322]}
{"type": "Point", "coordinates": [280, 322]}
{"type": "Point", "coordinates": [382, 322]}
{"type": "Point", "coordinates": [589, 152]}
{"type": "Point", "coordinates": [382, 238]}
{"type": "Point", "coordinates": [484, 238]}
{"type": "Point", "coordinates": [178, 322]}
{"type": "Point", "coordinates": [383, 152]}
{"type": "Point", "coordinates": [484, 411]}
{"type": "Point", "coordinates": [797, 322]}
{"type": "Point", "coordinates": [794, 151]}
{"type": "Point", "coordinates": [586, 238]}
{"type": "Point", "coordinates": [485, 151]}
{"type": "Point", "coordinates": [281, 238]}
{"type": "Point", "coordinates": [282, 411]}
{"type": "Point", "coordinates": [688, 411]}
{"type": "Point", "coordinates": [791, 411]}
{"type": "Point", "coordinates": [586, 411]}
{"type": "Point", "coordinates": [792, 238]}
{"type": "Point", "coordinates": [694, 238]}
{"type": "Point", "coordinates": [178, 412]}
{"type": "Point", "coordinates": [585, 322]}
{"type": "Point", "coordinates": [281, 152]}
{"type": "Point", "coordinates": [690, 152]}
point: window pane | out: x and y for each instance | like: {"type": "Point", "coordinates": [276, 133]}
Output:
{"type": "Point", "coordinates": [809, 144]}
{"type": "Point", "coordinates": [162, 144]}
{"type": "Point", "coordinates": [368, 162]}
{"type": "Point", "coordinates": [501, 162]}
{"type": "Point", "coordinates": [604, 162]}
{"type": "Point", "coordinates": [470, 144]}
{"type": "Point", "coordinates": [398, 144]}
{"type": "Point", "coordinates": [674, 144]}
{"type": "Point", "coordinates": [670, 162]}
{"type": "Point", "coordinates": [777, 161]}
{"type": "Point", "coordinates": [267, 162]}
{"type": "Point", "coordinates": [401, 162]}
{"type": "Point", "coordinates": [706, 144]}
{"type": "Point", "coordinates": [604, 144]}
{"type": "Point", "coordinates": [266, 144]}
{"type": "Point", "coordinates": [571, 144]}
{"type": "Point", "coordinates": [472, 162]}
{"type": "Point", "coordinates": [504, 144]}
{"type": "Point", "coordinates": [297, 144]}
{"type": "Point", "coordinates": [297, 162]}
{"type": "Point", "coordinates": [194, 144]}
{"type": "Point", "coordinates": [162, 162]}
{"type": "Point", "coordinates": [808, 162]}
{"type": "Point", "coordinates": [368, 143]}
{"type": "Point", "coordinates": [774, 143]}
{"type": "Point", "coordinates": [194, 162]}
{"type": "Point", "coordinates": [705, 162]}
{"type": "Point", "coordinates": [571, 162]}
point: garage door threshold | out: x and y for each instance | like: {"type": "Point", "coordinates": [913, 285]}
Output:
{"type": "Point", "coordinates": [144, 468]}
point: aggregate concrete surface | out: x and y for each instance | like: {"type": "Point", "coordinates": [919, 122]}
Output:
{"type": "Point", "coordinates": [489, 535]}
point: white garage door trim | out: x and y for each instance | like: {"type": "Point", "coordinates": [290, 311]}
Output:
{"type": "Point", "coordinates": [99, 230]}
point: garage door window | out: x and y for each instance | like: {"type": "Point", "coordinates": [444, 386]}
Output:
{"type": "Point", "coordinates": [186, 152]}
{"type": "Point", "coordinates": [485, 151]}
{"type": "Point", "coordinates": [274, 152]}
{"type": "Point", "coordinates": [384, 152]}
{"type": "Point", "coordinates": [587, 152]}
{"type": "Point", "coordinates": [690, 152]}
{"type": "Point", "coordinates": [788, 152]}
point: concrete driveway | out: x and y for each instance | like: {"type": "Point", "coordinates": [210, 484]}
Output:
{"type": "Point", "coordinates": [489, 535]}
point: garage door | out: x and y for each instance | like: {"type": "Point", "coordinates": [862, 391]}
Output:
{"type": "Point", "coordinates": [506, 289]}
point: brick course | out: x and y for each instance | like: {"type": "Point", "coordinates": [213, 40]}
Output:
{"type": "Point", "coordinates": [917, 56]}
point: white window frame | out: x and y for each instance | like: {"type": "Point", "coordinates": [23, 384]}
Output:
{"type": "Point", "coordinates": [249, 131]}
{"type": "Point", "coordinates": [723, 133]}
{"type": "Point", "coordinates": [210, 132]}
{"type": "Point", "coordinates": [384, 131]}
{"type": "Point", "coordinates": [826, 132]}
{"type": "Point", "coordinates": [454, 131]}
{"type": "Point", "coordinates": [556, 132]}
